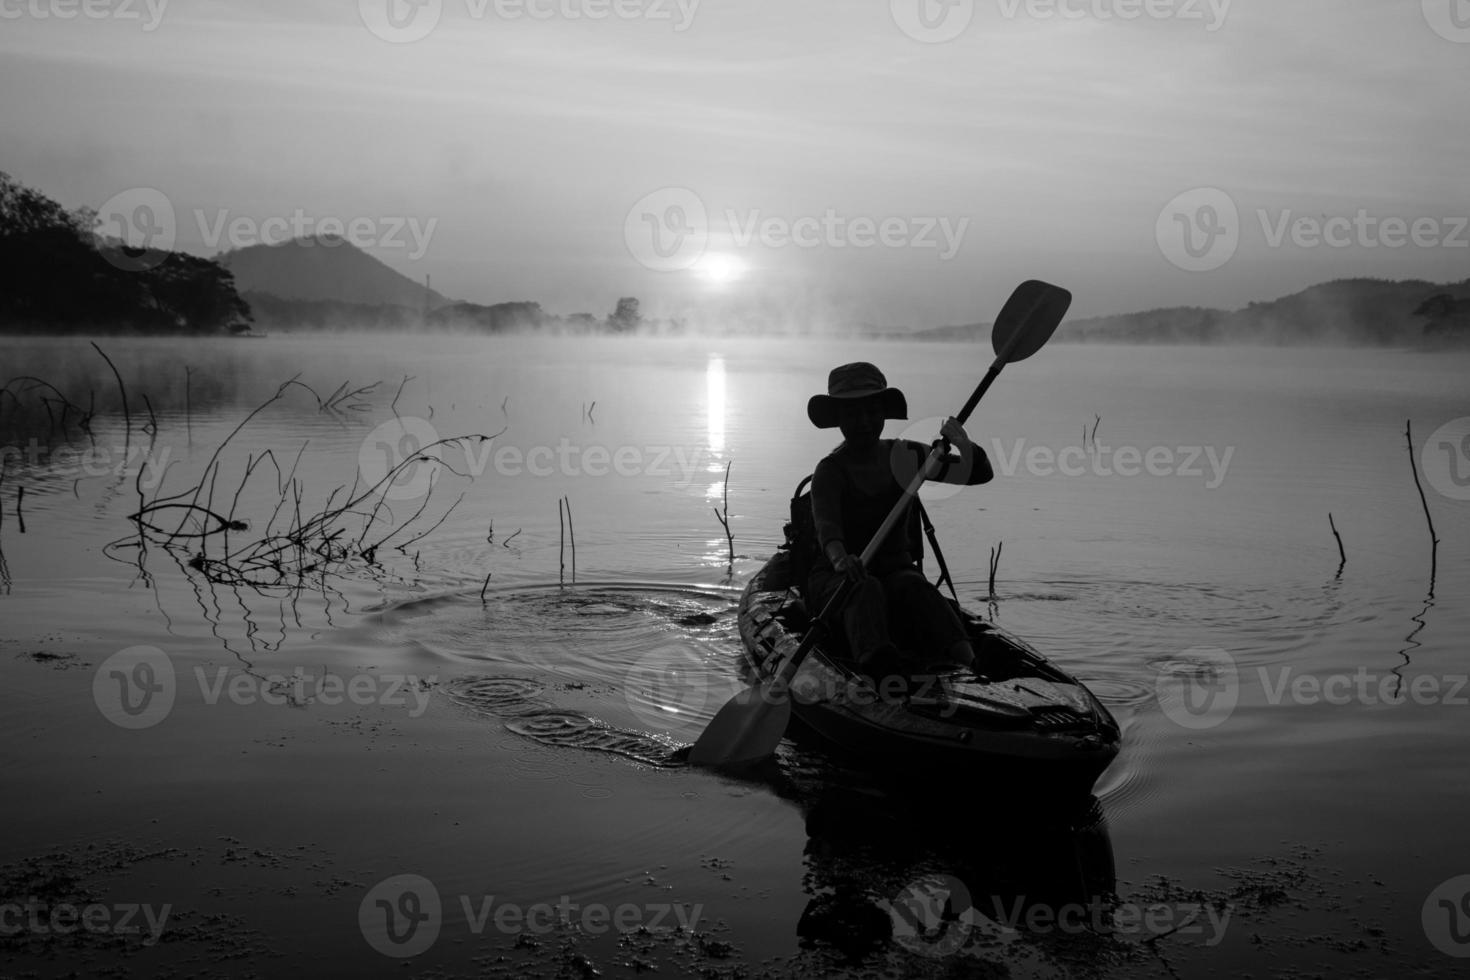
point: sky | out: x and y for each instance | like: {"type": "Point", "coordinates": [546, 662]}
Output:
{"type": "Point", "coordinates": [794, 162]}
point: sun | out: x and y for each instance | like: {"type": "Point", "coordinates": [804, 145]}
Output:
{"type": "Point", "coordinates": [720, 268]}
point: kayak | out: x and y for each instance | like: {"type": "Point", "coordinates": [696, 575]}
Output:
{"type": "Point", "coordinates": [1017, 720]}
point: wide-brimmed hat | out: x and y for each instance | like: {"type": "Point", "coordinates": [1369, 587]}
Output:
{"type": "Point", "coordinates": [849, 383]}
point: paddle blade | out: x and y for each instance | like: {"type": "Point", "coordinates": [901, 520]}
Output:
{"type": "Point", "coordinates": [747, 729]}
{"type": "Point", "coordinates": [1028, 320]}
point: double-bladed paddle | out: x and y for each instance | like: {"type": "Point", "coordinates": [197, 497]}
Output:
{"type": "Point", "coordinates": [750, 725]}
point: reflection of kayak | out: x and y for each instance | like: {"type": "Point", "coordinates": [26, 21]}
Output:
{"type": "Point", "coordinates": [1023, 722]}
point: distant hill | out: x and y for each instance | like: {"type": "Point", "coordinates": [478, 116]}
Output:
{"type": "Point", "coordinates": [1347, 311]}
{"type": "Point", "coordinates": [324, 269]}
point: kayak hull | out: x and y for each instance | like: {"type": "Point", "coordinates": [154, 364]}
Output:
{"type": "Point", "coordinates": [1024, 726]}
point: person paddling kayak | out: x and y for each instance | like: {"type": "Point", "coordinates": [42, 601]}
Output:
{"type": "Point", "coordinates": [853, 489]}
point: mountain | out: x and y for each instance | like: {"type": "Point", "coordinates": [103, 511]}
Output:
{"type": "Point", "coordinates": [1345, 311]}
{"type": "Point", "coordinates": [324, 269]}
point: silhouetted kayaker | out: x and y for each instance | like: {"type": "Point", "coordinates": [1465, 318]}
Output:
{"type": "Point", "coordinates": [853, 489]}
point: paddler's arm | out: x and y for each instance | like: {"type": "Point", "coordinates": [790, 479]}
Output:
{"type": "Point", "coordinates": [827, 515]}
{"type": "Point", "coordinates": [969, 468]}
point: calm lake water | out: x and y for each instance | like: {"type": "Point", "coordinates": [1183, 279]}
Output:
{"type": "Point", "coordinates": [1294, 737]}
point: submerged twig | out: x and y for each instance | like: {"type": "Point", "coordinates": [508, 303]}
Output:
{"type": "Point", "coordinates": [127, 416]}
{"type": "Point", "coordinates": [995, 566]}
{"type": "Point", "coordinates": [572, 538]}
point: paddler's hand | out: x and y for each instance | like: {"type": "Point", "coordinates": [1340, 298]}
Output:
{"type": "Point", "coordinates": [851, 567]}
{"type": "Point", "coordinates": [955, 434]}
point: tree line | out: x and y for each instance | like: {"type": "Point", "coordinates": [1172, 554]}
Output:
{"type": "Point", "coordinates": [61, 275]}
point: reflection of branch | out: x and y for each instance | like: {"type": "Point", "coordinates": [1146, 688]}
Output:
{"type": "Point", "coordinates": [1433, 538]}
{"type": "Point", "coordinates": [724, 518]}
{"type": "Point", "coordinates": [1411, 643]}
